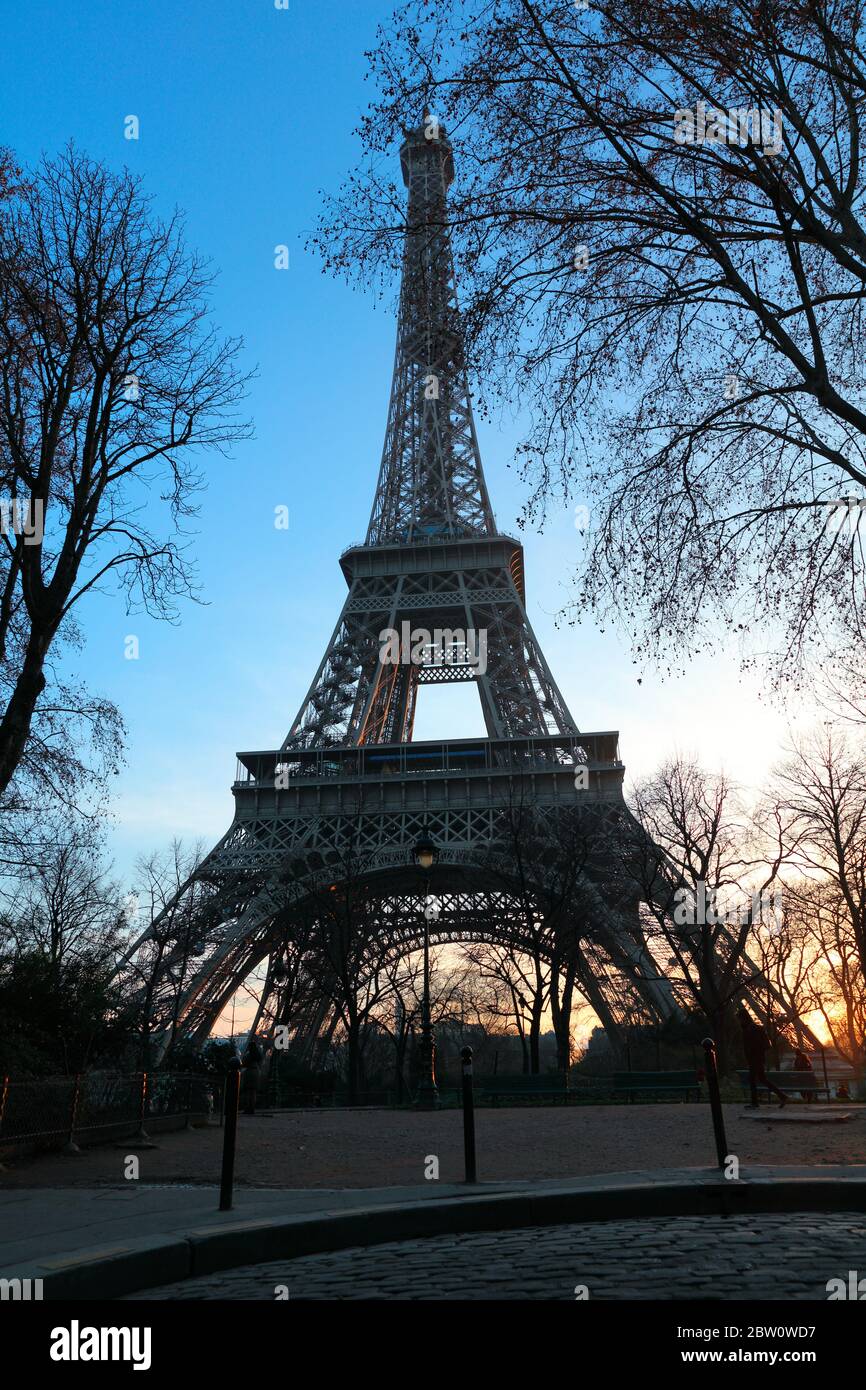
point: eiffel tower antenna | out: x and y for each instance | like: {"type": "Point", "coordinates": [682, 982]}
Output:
{"type": "Point", "coordinates": [431, 482]}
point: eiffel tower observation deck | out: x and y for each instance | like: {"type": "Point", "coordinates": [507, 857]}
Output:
{"type": "Point", "coordinates": [436, 594]}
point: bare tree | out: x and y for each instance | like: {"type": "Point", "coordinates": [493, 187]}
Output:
{"type": "Point", "coordinates": [571, 918]}
{"type": "Point", "coordinates": [788, 956]}
{"type": "Point", "coordinates": [836, 987]}
{"type": "Point", "coordinates": [453, 991]}
{"type": "Point", "coordinates": [111, 381]}
{"type": "Point", "coordinates": [351, 953]}
{"type": "Point", "coordinates": [157, 974]}
{"type": "Point", "coordinates": [821, 790]}
{"type": "Point", "coordinates": [402, 1010]}
{"type": "Point", "coordinates": [704, 880]}
{"type": "Point", "coordinates": [62, 922]}
{"type": "Point", "coordinates": [64, 905]}
{"type": "Point", "coordinates": [660, 244]}
{"type": "Point", "coordinates": [518, 995]}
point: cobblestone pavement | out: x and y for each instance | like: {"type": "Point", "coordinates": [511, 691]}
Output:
{"type": "Point", "coordinates": [756, 1257]}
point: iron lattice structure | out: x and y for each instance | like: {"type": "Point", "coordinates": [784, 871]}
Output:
{"type": "Point", "coordinates": [433, 556]}
{"type": "Point", "coordinates": [348, 792]}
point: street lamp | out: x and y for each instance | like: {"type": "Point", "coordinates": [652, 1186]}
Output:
{"type": "Point", "coordinates": [428, 1093]}
{"type": "Point", "coordinates": [425, 853]}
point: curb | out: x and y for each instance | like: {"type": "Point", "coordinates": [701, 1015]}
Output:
{"type": "Point", "coordinates": [143, 1263]}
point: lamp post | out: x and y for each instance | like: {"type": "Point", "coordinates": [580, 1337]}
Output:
{"type": "Point", "coordinates": [428, 1092]}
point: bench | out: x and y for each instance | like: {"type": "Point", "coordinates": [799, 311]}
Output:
{"type": "Point", "coordinates": [287, 1098]}
{"type": "Point", "coordinates": [787, 1081]}
{"type": "Point", "coordinates": [656, 1083]}
{"type": "Point", "coordinates": [551, 1087]}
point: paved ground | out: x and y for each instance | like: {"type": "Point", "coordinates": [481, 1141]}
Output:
{"type": "Point", "coordinates": [756, 1257]}
{"type": "Point", "coordinates": [381, 1148]}
{"type": "Point", "coordinates": [84, 1239]}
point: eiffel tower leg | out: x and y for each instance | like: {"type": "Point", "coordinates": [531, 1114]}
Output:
{"type": "Point", "coordinates": [321, 1039]}
{"type": "Point", "coordinates": [594, 994]}
{"type": "Point", "coordinates": [385, 703]}
{"type": "Point", "coordinates": [208, 1009]}
{"type": "Point", "coordinates": [651, 983]}
{"type": "Point", "coordinates": [757, 995]}
{"type": "Point", "coordinates": [268, 992]}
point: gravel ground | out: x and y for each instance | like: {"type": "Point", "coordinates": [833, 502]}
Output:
{"type": "Point", "coordinates": [378, 1148]}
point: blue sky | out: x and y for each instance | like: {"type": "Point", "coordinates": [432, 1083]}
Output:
{"type": "Point", "coordinates": [246, 112]}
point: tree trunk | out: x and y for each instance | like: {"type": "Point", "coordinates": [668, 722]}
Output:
{"type": "Point", "coordinates": [560, 1010]}
{"type": "Point", "coordinates": [399, 1061]}
{"type": "Point", "coordinates": [535, 1036]}
{"type": "Point", "coordinates": [353, 1061]}
{"type": "Point", "coordinates": [720, 1030]}
{"type": "Point", "coordinates": [18, 716]}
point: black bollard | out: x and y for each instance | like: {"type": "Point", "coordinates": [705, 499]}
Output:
{"type": "Point", "coordinates": [71, 1146]}
{"type": "Point", "coordinates": [468, 1116]}
{"type": "Point", "coordinates": [232, 1097]}
{"type": "Point", "coordinates": [715, 1101]}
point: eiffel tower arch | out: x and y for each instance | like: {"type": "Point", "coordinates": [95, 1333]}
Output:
{"type": "Point", "coordinates": [435, 594]}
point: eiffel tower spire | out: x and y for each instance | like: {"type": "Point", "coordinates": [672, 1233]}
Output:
{"type": "Point", "coordinates": [431, 482]}
{"type": "Point", "coordinates": [433, 559]}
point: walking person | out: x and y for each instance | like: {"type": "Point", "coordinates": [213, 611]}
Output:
{"type": "Point", "coordinates": [802, 1063]}
{"type": "Point", "coordinates": [755, 1045]}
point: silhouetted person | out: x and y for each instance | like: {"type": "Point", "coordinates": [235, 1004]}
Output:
{"type": "Point", "coordinates": [252, 1060]}
{"type": "Point", "coordinates": [803, 1063]}
{"type": "Point", "coordinates": [755, 1045]}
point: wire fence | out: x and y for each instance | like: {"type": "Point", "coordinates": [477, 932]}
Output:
{"type": "Point", "coordinates": [71, 1110]}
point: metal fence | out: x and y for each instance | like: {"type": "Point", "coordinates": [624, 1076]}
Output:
{"type": "Point", "coordinates": [280, 1095]}
{"type": "Point", "coordinates": [70, 1110]}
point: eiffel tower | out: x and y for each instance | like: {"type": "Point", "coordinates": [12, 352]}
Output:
{"type": "Point", "coordinates": [349, 774]}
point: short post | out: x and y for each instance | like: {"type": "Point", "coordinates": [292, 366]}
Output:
{"type": "Point", "coordinates": [71, 1146]}
{"type": "Point", "coordinates": [4, 1096]}
{"type": "Point", "coordinates": [189, 1084]}
{"type": "Point", "coordinates": [468, 1116]}
{"type": "Point", "coordinates": [142, 1108]}
{"type": "Point", "coordinates": [232, 1098]}
{"type": "Point", "coordinates": [824, 1066]}
{"type": "Point", "coordinates": [715, 1101]}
